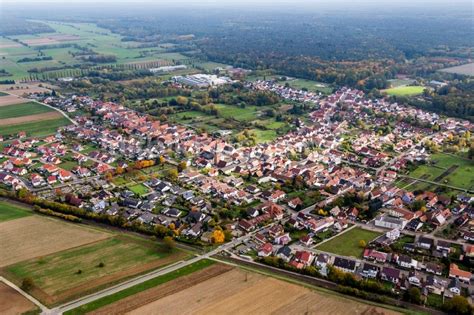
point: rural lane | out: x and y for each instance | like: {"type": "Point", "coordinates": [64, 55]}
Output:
{"type": "Point", "coordinates": [26, 295]}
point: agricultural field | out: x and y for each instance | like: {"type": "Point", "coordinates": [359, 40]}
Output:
{"type": "Point", "coordinates": [236, 291]}
{"type": "Point", "coordinates": [46, 126]}
{"type": "Point", "coordinates": [11, 211]}
{"type": "Point", "coordinates": [405, 90]}
{"type": "Point", "coordinates": [19, 110]}
{"type": "Point", "coordinates": [72, 272]}
{"type": "Point", "coordinates": [347, 244]}
{"type": "Point", "coordinates": [467, 69]}
{"type": "Point", "coordinates": [62, 48]}
{"type": "Point", "coordinates": [33, 236]}
{"type": "Point", "coordinates": [12, 302]}
{"type": "Point", "coordinates": [446, 169]}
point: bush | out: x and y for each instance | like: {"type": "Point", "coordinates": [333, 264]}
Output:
{"type": "Point", "coordinates": [27, 284]}
{"type": "Point", "coordinates": [101, 265]}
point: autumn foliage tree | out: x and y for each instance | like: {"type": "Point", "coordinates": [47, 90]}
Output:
{"type": "Point", "coordinates": [218, 236]}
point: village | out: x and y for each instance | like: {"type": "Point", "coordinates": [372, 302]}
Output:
{"type": "Point", "coordinates": [338, 175]}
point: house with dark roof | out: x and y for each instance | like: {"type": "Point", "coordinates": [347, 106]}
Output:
{"type": "Point", "coordinates": [370, 271]}
{"type": "Point", "coordinates": [390, 274]}
{"type": "Point", "coordinates": [344, 264]}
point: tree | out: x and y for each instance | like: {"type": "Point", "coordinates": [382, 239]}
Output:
{"type": "Point", "coordinates": [172, 174]}
{"type": "Point", "coordinates": [169, 243]}
{"type": "Point", "coordinates": [218, 236]}
{"type": "Point", "coordinates": [182, 166]}
{"type": "Point", "coordinates": [458, 305]}
{"type": "Point", "coordinates": [362, 244]}
{"type": "Point", "coordinates": [27, 284]}
{"type": "Point", "coordinates": [413, 295]}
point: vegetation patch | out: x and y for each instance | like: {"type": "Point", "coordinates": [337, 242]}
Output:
{"type": "Point", "coordinates": [349, 243]}
{"type": "Point", "coordinates": [9, 211]}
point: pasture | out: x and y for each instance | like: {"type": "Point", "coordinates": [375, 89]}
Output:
{"type": "Point", "coordinates": [405, 90]}
{"type": "Point", "coordinates": [72, 272]}
{"type": "Point", "coordinates": [242, 292]}
{"type": "Point", "coordinates": [11, 211]}
{"type": "Point", "coordinates": [34, 236]}
{"type": "Point", "coordinates": [347, 244]}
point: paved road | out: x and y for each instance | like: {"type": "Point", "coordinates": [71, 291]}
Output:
{"type": "Point", "coordinates": [26, 295]}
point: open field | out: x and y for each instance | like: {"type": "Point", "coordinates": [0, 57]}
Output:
{"type": "Point", "coordinates": [242, 292]}
{"type": "Point", "coordinates": [467, 69]}
{"type": "Point", "coordinates": [50, 115]}
{"type": "Point", "coordinates": [143, 287]}
{"type": "Point", "coordinates": [36, 128]}
{"type": "Point", "coordinates": [446, 169]}
{"type": "Point", "coordinates": [405, 90]}
{"type": "Point", "coordinates": [60, 46]}
{"type": "Point", "coordinates": [22, 109]}
{"type": "Point", "coordinates": [8, 100]}
{"type": "Point", "coordinates": [11, 211]}
{"type": "Point", "coordinates": [57, 276]}
{"type": "Point", "coordinates": [21, 89]}
{"type": "Point", "coordinates": [347, 244]}
{"type": "Point", "coordinates": [12, 302]}
{"type": "Point", "coordinates": [34, 236]}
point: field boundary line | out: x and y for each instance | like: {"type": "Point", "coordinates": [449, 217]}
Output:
{"type": "Point", "coordinates": [26, 295]}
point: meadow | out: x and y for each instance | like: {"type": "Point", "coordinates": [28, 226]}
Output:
{"type": "Point", "coordinates": [446, 169]}
{"type": "Point", "coordinates": [347, 244]}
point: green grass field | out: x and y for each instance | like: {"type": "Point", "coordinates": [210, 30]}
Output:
{"type": "Point", "coordinates": [405, 90]}
{"type": "Point", "coordinates": [139, 189]}
{"type": "Point", "coordinates": [347, 244]}
{"type": "Point", "coordinates": [199, 265]}
{"type": "Point", "coordinates": [9, 211]}
{"type": "Point", "coordinates": [37, 128]}
{"type": "Point", "coordinates": [23, 109]}
{"type": "Point", "coordinates": [58, 272]}
{"type": "Point", "coordinates": [462, 176]}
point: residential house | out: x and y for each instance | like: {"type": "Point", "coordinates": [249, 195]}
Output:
{"type": "Point", "coordinates": [390, 274]}
{"type": "Point", "coordinates": [344, 264]}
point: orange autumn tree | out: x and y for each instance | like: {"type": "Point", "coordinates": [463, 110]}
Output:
{"type": "Point", "coordinates": [218, 236]}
